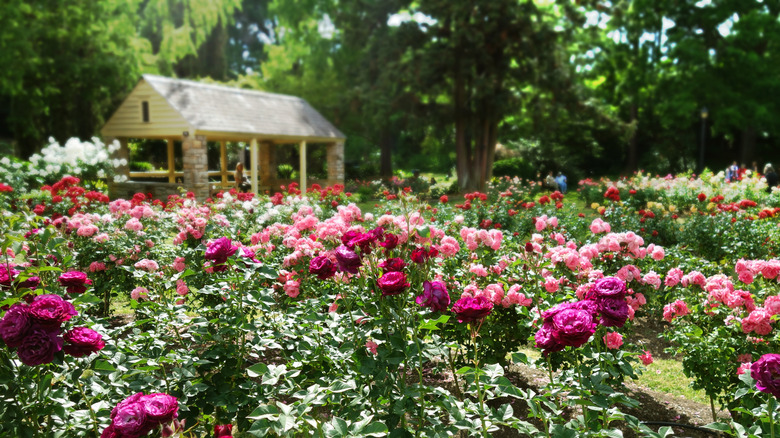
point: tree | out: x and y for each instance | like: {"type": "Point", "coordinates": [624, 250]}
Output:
{"type": "Point", "coordinates": [68, 65]}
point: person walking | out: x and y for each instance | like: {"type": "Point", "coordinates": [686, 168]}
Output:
{"type": "Point", "coordinates": [561, 180]}
{"type": "Point", "coordinates": [239, 177]}
{"type": "Point", "coordinates": [772, 179]}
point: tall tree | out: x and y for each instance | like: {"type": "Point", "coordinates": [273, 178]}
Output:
{"type": "Point", "coordinates": [69, 64]}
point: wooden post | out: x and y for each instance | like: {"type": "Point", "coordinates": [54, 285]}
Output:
{"type": "Point", "coordinates": [171, 163]}
{"type": "Point", "coordinates": [253, 160]}
{"type": "Point", "coordinates": [223, 162]}
{"type": "Point", "coordinates": [302, 165]}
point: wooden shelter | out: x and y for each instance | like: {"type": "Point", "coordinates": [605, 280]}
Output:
{"type": "Point", "coordinates": [194, 113]}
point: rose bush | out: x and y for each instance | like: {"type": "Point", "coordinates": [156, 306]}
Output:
{"type": "Point", "coordinates": [286, 314]}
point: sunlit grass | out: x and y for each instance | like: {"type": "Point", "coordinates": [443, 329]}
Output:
{"type": "Point", "coordinates": [663, 375]}
{"type": "Point", "coordinates": [666, 375]}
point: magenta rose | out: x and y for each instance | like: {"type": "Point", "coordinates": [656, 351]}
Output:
{"type": "Point", "coordinates": [587, 305]}
{"type": "Point", "coordinates": [347, 259]}
{"type": "Point", "coordinates": [218, 251]}
{"type": "Point", "coordinates": [766, 372]}
{"type": "Point", "coordinates": [392, 265]}
{"type": "Point", "coordinates": [223, 430]}
{"type": "Point", "coordinates": [133, 399]}
{"type": "Point", "coordinates": [51, 310]}
{"type": "Point", "coordinates": [6, 275]}
{"type": "Point", "coordinates": [75, 282]}
{"type": "Point", "coordinates": [573, 327]}
{"type": "Point", "coordinates": [162, 408]}
{"type": "Point", "coordinates": [545, 340]}
{"type": "Point", "coordinates": [322, 267]}
{"type": "Point", "coordinates": [131, 420]}
{"type": "Point", "coordinates": [110, 432]}
{"type": "Point", "coordinates": [82, 341]}
{"type": "Point", "coordinates": [393, 283]}
{"type": "Point", "coordinates": [434, 295]}
{"type": "Point", "coordinates": [613, 310]}
{"type": "Point", "coordinates": [348, 237]}
{"type": "Point", "coordinates": [468, 309]}
{"type": "Point", "coordinates": [389, 241]}
{"type": "Point", "coordinates": [421, 255]}
{"type": "Point", "coordinates": [39, 346]}
{"type": "Point", "coordinates": [364, 241]}
{"type": "Point", "coordinates": [608, 287]}
{"type": "Point", "coordinates": [15, 324]}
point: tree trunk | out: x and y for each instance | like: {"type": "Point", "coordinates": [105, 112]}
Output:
{"type": "Point", "coordinates": [386, 154]}
{"type": "Point", "coordinates": [632, 153]}
{"type": "Point", "coordinates": [462, 146]}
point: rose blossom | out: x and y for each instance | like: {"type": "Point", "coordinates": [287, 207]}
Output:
{"type": "Point", "coordinates": [15, 324]}
{"type": "Point", "coordinates": [218, 251]}
{"type": "Point", "coordinates": [608, 287]}
{"type": "Point", "coordinates": [39, 346]}
{"type": "Point", "coordinates": [371, 346]}
{"type": "Point", "coordinates": [468, 309]}
{"type": "Point", "coordinates": [75, 282]}
{"type": "Point", "coordinates": [51, 310]}
{"type": "Point", "coordinates": [434, 295]}
{"type": "Point", "coordinates": [614, 311]}
{"type": "Point", "coordinates": [223, 430]}
{"type": "Point", "coordinates": [613, 340]}
{"type": "Point", "coordinates": [162, 408]}
{"type": "Point", "coordinates": [646, 357]}
{"type": "Point", "coordinates": [573, 327]}
{"type": "Point", "coordinates": [82, 341]}
{"type": "Point", "coordinates": [766, 372]}
{"type": "Point", "coordinates": [393, 283]}
{"type": "Point", "coordinates": [394, 264]}
{"type": "Point", "coordinates": [347, 259]}
{"type": "Point", "coordinates": [130, 420]}
{"type": "Point", "coordinates": [322, 267]}
{"type": "Point", "coordinates": [139, 292]}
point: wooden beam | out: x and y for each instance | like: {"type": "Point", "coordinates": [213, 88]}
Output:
{"type": "Point", "coordinates": [302, 165]}
{"type": "Point", "coordinates": [223, 161]}
{"type": "Point", "coordinates": [171, 162]}
{"type": "Point", "coordinates": [253, 163]}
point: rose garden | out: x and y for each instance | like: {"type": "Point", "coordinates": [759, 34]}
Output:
{"type": "Point", "coordinates": [299, 314]}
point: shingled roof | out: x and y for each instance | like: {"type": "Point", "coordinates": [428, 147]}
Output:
{"type": "Point", "coordinates": [212, 108]}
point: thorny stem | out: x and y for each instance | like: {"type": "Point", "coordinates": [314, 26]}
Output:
{"type": "Point", "coordinates": [454, 375]}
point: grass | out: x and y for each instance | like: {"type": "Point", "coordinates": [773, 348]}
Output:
{"type": "Point", "coordinates": [666, 375]}
{"type": "Point", "coordinates": [663, 375]}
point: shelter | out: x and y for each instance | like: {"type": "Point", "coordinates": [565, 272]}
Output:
{"type": "Point", "coordinates": [194, 113]}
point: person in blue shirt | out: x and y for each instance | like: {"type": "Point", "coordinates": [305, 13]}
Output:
{"type": "Point", "coordinates": [561, 180]}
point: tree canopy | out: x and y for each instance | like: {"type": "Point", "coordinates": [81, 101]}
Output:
{"type": "Point", "coordinates": [584, 86]}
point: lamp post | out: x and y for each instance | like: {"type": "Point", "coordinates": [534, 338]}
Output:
{"type": "Point", "coordinates": [702, 147]}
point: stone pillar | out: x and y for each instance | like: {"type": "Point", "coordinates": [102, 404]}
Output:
{"type": "Point", "coordinates": [335, 160]}
{"type": "Point", "coordinates": [196, 167]}
{"type": "Point", "coordinates": [267, 162]}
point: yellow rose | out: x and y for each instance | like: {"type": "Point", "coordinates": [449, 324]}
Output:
{"type": "Point", "coordinates": [672, 208]}
{"type": "Point", "coordinates": [594, 206]}
{"type": "Point", "coordinates": [601, 210]}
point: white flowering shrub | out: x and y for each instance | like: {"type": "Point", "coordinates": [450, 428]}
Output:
{"type": "Point", "coordinates": [86, 160]}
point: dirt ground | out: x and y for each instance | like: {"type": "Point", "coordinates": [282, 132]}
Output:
{"type": "Point", "coordinates": [656, 409]}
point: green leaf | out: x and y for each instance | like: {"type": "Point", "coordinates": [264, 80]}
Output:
{"type": "Point", "coordinates": [102, 365]}
{"type": "Point", "coordinates": [257, 370]}
{"type": "Point", "coordinates": [434, 324]}
{"type": "Point", "coordinates": [264, 411]}
{"type": "Point", "coordinates": [341, 386]}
